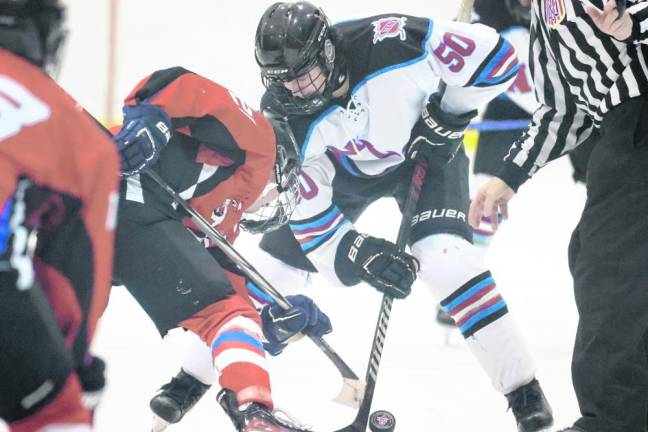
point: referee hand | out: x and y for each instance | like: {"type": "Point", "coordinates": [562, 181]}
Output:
{"type": "Point", "coordinates": [491, 199]}
{"type": "Point", "coordinates": [608, 20]}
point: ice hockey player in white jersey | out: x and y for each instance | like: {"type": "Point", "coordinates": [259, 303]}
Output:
{"type": "Point", "coordinates": [363, 97]}
{"type": "Point", "coordinates": [357, 96]}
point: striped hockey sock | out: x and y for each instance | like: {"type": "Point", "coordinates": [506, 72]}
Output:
{"type": "Point", "coordinates": [239, 356]}
{"type": "Point", "coordinates": [475, 305]}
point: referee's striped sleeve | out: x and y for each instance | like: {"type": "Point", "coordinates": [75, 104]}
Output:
{"type": "Point", "coordinates": [558, 125]}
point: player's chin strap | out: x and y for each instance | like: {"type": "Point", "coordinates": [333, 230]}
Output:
{"type": "Point", "coordinates": [353, 387]}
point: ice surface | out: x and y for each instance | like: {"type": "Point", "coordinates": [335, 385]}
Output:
{"type": "Point", "coordinates": [428, 386]}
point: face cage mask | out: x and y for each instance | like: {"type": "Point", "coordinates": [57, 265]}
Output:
{"type": "Point", "coordinates": [317, 100]}
{"type": "Point", "coordinates": [277, 212]}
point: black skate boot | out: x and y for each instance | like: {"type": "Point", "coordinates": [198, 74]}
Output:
{"type": "Point", "coordinates": [175, 399]}
{"type": "Point", "coordinates": [530, 408]}
{"type": "Point", "coordinates": [256, 417]}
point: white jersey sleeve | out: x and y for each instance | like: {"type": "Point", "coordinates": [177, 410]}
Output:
{"type": "Point", "coordinates": [521, 91]}
{"type": "Point", "coordinates": [317, 223]}
{"type": "Point", "coordinates": [474, 61]}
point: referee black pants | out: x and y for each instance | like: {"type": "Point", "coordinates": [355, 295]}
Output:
{"type": "Point", "coordinates": [608, 257]}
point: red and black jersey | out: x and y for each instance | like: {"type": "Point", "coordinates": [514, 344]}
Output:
{"type": "Point", "coordinates": [220, 156]}
{"type": "Point", "coordinates": [59, 176]}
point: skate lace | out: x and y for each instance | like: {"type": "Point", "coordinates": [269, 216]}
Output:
{"type": "Point", "coordinates": [289, 420]}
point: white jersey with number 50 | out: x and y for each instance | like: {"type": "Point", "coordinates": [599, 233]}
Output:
{"type": "Point", "coordinates": [394, 62]}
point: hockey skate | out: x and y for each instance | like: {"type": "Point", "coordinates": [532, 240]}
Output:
{"type": "Point", "coordinates": [530, 408]}
{"type": "Point", "coordinates": [256, 417]}
{"type": "Point", "coordinates": [175, 399]}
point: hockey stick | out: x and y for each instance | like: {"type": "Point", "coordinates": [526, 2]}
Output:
{"type": "Point", "coordinates": [499, 125]}
{"type": "Point", "coordinates": [465, 11]}
{"type": "Point", "coordinates": [362, 417]}
{"type": "Point", "coordinates": [352, 388]}
{"type": "Point", "coordinates": [380, 334]}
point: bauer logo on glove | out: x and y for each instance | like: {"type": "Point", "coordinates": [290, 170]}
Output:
{"type": "Point", "coordinates": [438, 135]}
{"type": "Point", "coordinates": [440, 130]}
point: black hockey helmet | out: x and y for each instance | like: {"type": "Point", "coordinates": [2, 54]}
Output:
{"type": "Point", "coordinates": [520, 10]}
{"type": "Point", "coordinates": [283, 190]}
{"type": "Point", "coordinates": [291, 40]}
{"type": "Point", "coordinates": [33, 29]}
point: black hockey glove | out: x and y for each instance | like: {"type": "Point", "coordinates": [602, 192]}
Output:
{"type": "Point", "coordinates": [438, 135]}
{"type": "Point", "coordinates": [376, 261]}
{"type": "Point", "coordinates": [279, 325]}
{"type": "Point", "coordinates": [146, 130]}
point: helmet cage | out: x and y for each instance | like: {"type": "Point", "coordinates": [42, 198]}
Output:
{"type": "Point", "coordinates": [274, 79]}
{"type": "Point", "coordinates": [285, 186]}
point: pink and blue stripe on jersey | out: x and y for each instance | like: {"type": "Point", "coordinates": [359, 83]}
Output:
{"type": "Point", "coordinates": [313, 232]}
{"type": "Point", "coordinates": [475, 305]}
{"type": "Point", "coordinates": [499, 67]}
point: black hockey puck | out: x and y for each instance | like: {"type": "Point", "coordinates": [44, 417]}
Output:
{"type": "Point", "coordinates": [382, 421]}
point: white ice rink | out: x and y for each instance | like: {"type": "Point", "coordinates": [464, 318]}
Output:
{"type": "Point", "coordinates": [428, 385]}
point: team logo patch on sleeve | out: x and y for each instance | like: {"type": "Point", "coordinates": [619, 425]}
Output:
{"type": "Point", "coordinates": [389, 28]}
{"type": "Point", "coordinates": [554, 12]}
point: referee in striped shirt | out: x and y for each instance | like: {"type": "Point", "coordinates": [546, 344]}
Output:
{"type": "Point", "coordinates": [589, 61]}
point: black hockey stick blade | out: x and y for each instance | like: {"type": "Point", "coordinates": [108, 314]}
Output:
{"type": "Point", "coordinates": [352, 387]}
{"type": "Point", "coordinates": [362, 417]}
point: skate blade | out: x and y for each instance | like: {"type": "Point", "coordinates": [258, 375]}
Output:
{"type": "Point", "coordinates": [159, 424]}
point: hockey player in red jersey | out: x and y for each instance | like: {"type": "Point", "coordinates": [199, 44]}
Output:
{"type": "Point", "coordinates": [58, 198]}
{"type": "Point", "coordinates": [218, 154]}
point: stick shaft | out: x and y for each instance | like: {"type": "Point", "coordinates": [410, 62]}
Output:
{"type": "Point", "coordinates": [248, 269]}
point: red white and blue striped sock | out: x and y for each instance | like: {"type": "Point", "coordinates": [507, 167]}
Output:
{"type": "Point", "coordinates": [239, 356]}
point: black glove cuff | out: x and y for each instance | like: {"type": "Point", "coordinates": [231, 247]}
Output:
{"type": "Point", "coordinates": [458, 123]}
{"type": "Point", "coordinates": [345, 268]}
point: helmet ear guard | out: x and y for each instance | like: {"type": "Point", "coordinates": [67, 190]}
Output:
{"type": "Point", "coordinates": [279, 199]}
